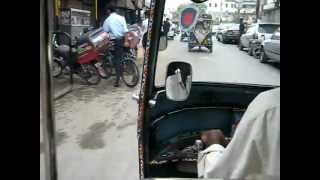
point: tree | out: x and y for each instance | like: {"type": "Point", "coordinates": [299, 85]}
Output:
{"type": "Point", "coordinates": [202, 7]}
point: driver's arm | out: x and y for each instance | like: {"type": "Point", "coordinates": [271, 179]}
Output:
{"type": "Point", "coordinates": [255, 147]}
{"type": "Point", "coordinates": [208, 158]}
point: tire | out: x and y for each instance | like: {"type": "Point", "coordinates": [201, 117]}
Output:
{"type": "Point", "coordinates": [263, 56]}
{"type": "Point", "coordinates": [57, 68]}
{"type": "Point", "coordinates": [256, 52]}
{"type": "Point", "coordinates": [250, 50]}
{"type": "Point", "coordinates": [189, 48]}
{"type": "Point", "coordinates": [240, 46]}
{"type": "Point", "coordinates": [94, 78]}
{"type": "Point", "coordinates": [130, 73]}
{"type": "Point", "coordinates": [224, 41]}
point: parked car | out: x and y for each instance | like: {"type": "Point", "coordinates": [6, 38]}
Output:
{"type": "Point", "coordinates": [220, 28]}
{"type": "Point", "coordinates": [171, 33]}
{"type": "Point", "coordinates": [230, 33]}
{"type": "Point", "coordinates": [270, 49]}
{"type": "Point", "coordinates": [223, 27]}
{"type": "Point", "coordinates": [259, 31]}
{"type": "Point", "coordinates": [215, 29]}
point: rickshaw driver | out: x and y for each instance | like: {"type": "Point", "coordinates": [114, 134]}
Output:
{"type": "Point", "coordinates": [254, 151]}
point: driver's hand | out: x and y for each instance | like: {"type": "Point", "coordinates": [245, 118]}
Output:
{"type": "Point", "coordinates": [213, 137]}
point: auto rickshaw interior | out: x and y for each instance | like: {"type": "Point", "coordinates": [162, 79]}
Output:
{"type": "Point", "coordinates": [172, 127]}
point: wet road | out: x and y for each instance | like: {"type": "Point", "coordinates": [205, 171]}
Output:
{"type": "Point", "coordinates": [96, 126]}
{"type": "Point", "coordinates": [96, 133]}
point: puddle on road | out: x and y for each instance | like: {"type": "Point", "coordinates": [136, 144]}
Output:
{"type": "Point", "coordinates": [93, 138]}
{"type": "Point", "coordinates": [60, 137]}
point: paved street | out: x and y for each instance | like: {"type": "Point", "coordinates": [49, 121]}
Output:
{"type": "Point", "coordinates": [96, 134]}
{"type": "Point", "coordinates": [96, 126]}
{"type": "Point", "coordinates": [225, 64]}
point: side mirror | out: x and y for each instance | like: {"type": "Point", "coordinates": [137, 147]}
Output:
{"type": "Point", "coordinates": [178, 81]}
{"type": "Point", "coordinates": [163, 43]}
{"type": "Point", "coordinates": [199, 1]}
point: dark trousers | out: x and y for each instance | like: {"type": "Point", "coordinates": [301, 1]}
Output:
{"type": "Point", "coordinates": [116, 60]}
{"type": "Point", "coordinates": [240, 38]}
{"type": "Point", "coordinates": [144, 40]}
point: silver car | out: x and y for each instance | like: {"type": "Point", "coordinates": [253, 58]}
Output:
{"type": "Point", "coordinates": [259, 31]}
{"type": "Point", "coordinates": [270, 49]}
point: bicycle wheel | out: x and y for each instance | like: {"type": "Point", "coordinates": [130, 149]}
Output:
{"type": "Point", "coordinates": [107, 66]}
{"type": "Point", "coordinates": [56, 68]}
{"type": "Point", "coordinates": [93, 77]}
{"type": "Point", "coordinates": [130, 73]}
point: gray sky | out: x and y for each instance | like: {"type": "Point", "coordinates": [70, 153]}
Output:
{"type": "Point", "coordinates": [175, 3]}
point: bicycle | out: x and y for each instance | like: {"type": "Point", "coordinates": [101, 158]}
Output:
{"type": "Point", "coordinates": [128, 68]}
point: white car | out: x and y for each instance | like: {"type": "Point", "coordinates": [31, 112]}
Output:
{"type": "Point", "coordinates": [270, 49]}
{"type": "Point", "coordinates": [215, 29]}
{"type": "Point", "coordinates": [259, 31]}
{"type": "Point", "coordinates": [171, 33]}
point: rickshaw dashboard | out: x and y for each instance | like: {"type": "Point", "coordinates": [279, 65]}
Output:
{"type": "Point", "coordinates": [174, 142]}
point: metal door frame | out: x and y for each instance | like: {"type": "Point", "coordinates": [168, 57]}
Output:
{"type": "Point", "coordinates": [46, 93]}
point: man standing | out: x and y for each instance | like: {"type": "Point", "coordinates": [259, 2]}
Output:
{"type": "Point", "coordinates": [116, 26]}
{"type": "Point", "coordinates": [241, 28]}
{"type": "Point", "coordinates": [166, 27]}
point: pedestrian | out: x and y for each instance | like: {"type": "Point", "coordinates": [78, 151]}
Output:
{"type": "Point", "coordinates": [166, 27]}
{"type": "Point", "coordinates": [254, 150]}
{"type": "Point", "coordinates": [116, 26]}
{"type": "Point", "coordinates": [241, 29]}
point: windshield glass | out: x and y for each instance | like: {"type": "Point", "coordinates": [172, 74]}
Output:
{"type": "Point", "coordinates": [216, 57]}
{"type": "Point", "coordinates": [268, 28]}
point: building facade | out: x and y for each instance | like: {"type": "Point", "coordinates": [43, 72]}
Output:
{"type": "Point", "coordinates": [222, 10]}
{"type": "Point", "coordinates": [128, 8]}
{"type": "Point", "coordinates": [247, 10]}
{"type": "Point", "coordinates": [270, 11]}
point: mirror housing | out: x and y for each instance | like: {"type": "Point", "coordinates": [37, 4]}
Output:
{"type": "Point", "coordinates": [198, 1]}
{"type": "Point", "coordinates": [178, 81]}
{"type": "Point", "coordinates": [163, 42]}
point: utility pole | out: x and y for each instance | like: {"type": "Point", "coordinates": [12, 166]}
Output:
{"type": "Point", "coordinates": [257, 10]}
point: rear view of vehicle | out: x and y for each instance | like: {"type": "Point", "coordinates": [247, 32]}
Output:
{"type": "Point", "coordinates": [230, 34]}
{"type": "Point", "coordinates": [201, 34]}
{"type": "Point", "coordinates": [171, 34]}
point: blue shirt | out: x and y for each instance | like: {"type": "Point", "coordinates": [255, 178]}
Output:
{"type": "Point", "coordinates": [115, 25]}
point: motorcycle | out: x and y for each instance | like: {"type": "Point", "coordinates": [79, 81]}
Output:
{"type": "Point", "coordinates": [81, 57]}
{"type": "Point", "coordinates": [184, 36]}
